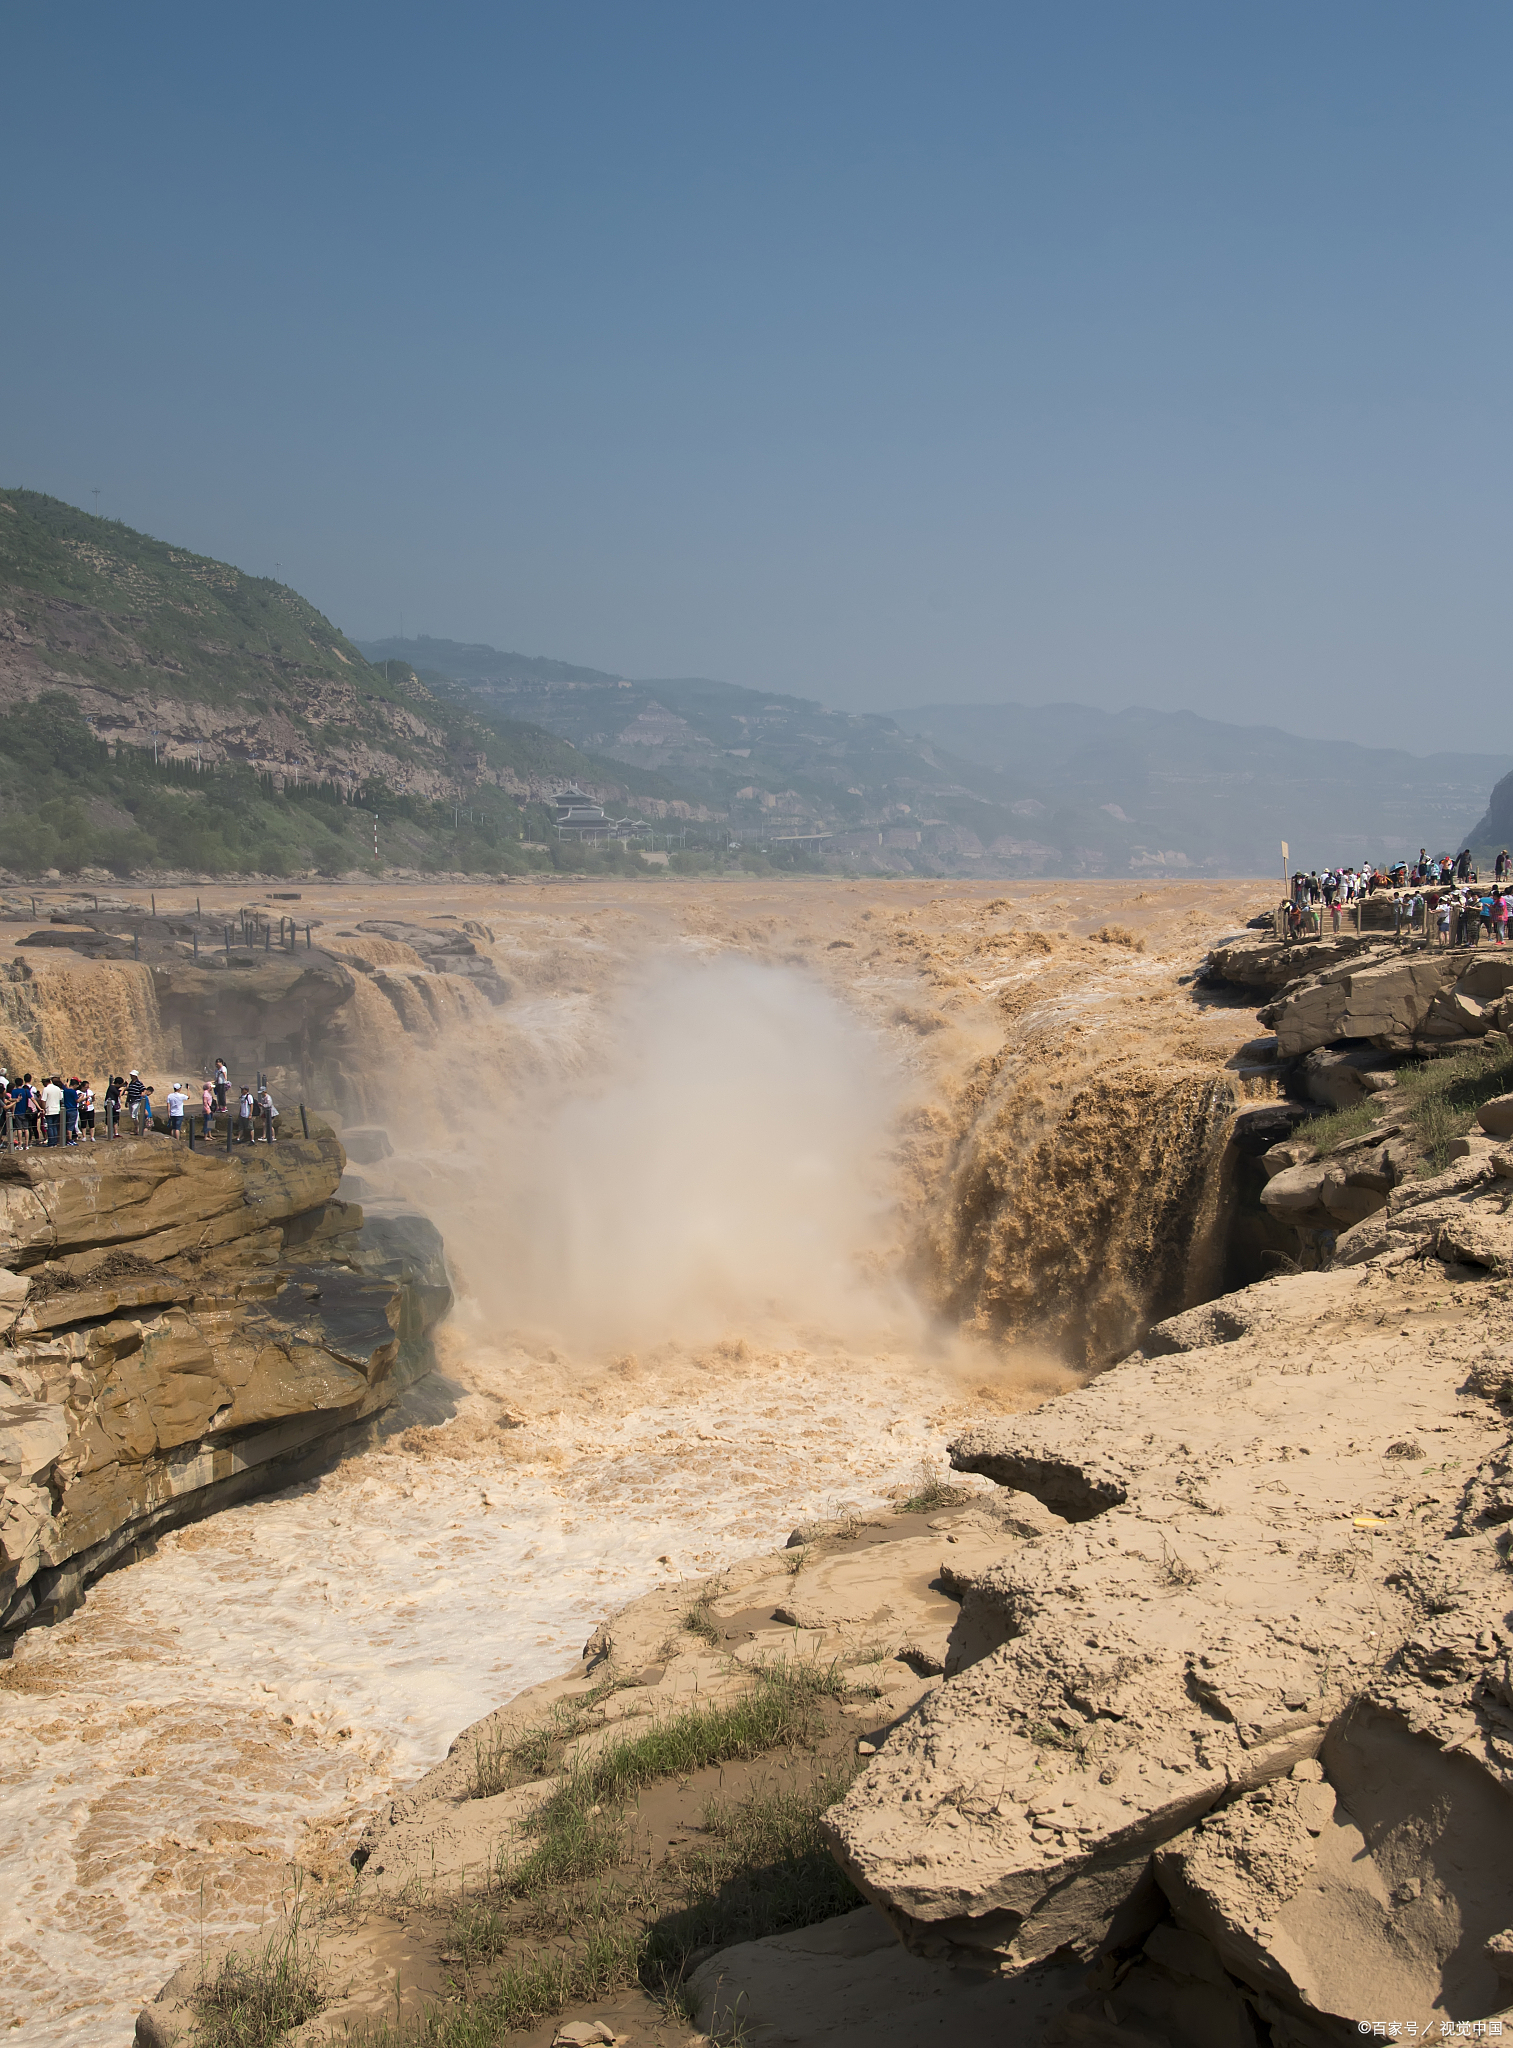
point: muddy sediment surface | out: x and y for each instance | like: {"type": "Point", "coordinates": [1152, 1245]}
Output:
{"type": "Point", "coordinates": [729, 1185]}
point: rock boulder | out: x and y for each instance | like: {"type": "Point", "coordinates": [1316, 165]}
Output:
{"type": "Point", "coordinates": [1401, 1002]}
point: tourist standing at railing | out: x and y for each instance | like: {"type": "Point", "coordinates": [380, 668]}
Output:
{"type": "Point", "coordinates": [71, 1110]}
{"type": "Point", "coordinates": [244, 1116]}
{"type": "Point", "coordinates": [178, 1096]}
{"type": "Point", "coordinates": [134, 1096]}
{"type": "Point", "coordinates": [207, 1102]}
{"type": "Point", "coordinates": [113, 1088]}
{"type": "Point", "coordinates": [222, 1084]}
{"type": "Point", "coordinates": [1500, 917]}
{"type": "Point", "coordinates": [87, 1110]}
{"type": "Point", "coordinates": [52, 1109]}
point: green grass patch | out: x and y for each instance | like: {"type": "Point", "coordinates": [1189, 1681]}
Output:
{"type": "Point", "coordinates": [531, 1985]}
{"type": "Point", "coordinates": [575, 1917]}
{"type": "Point", "coordinates": [763, 1869]}
{"type": "Point", "coordinates": [1337, 1127]}
{"type": "Point", "coordinates": [256, 1999]}
{"type": "Point", "coordinates": [781, 1711]}
{"type": "Point", "coordinates": [1440, 1098]}
{"type": "Point", "coordinates": [578, 1842]}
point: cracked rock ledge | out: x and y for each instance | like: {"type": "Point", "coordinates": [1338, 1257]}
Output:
{"type": "Point", "coordinates": [1238, 1737]}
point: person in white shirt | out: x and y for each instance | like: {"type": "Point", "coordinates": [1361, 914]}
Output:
{"type": "Point", "coordinates": [244, 1118]}
{"type": "Point", "coordinates": [268, 1113]}
{"type": "Point", "coordinates": [178, 1095]}
{"type": "Point", "coordinates": [52, 1109]}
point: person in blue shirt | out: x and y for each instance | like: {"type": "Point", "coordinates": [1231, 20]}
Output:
{"type": "Point", "coordinates": [71, 1111]}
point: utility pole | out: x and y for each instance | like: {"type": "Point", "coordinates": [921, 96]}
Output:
{"type": "Point", "coordinates": [95, 494]}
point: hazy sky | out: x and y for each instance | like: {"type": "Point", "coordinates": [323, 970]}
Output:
{"type": "Point", "coordinates": [1132, 353]}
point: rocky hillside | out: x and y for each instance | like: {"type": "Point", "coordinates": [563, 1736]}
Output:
{"type": "Point", "coordinates": [1493, 831]}
{"type": "Point", "coordinates": [168, 711]}
{"type": "Point", "coordinates": [156, 643]}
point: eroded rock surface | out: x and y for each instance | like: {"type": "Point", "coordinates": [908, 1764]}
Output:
{"type": "Point", "coordinates": [182, 1327]}
{"type": "Point", "coordinates": [1243, 1735]}
{"type": "Point", "coordinates": [1400, 1001]}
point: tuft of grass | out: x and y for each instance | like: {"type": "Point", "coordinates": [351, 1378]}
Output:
{"type": "Point", "coordinates": [934, 1491]}
{"type": "Point", "coordinates": [699, 1621]}
{"type": "Point", "coordinates": [577, 1842]}
{"type": "Point", "coordinates": [501, 1762]}
{"type": "Point", "coordinates": [256, 1999]}
{"type": "Point", "coordinates": [1440, 1097]}
{"type": "Point", "coordinates": [1337, 1127]}
{"type": "Point", "coordinates": [780, 1711]}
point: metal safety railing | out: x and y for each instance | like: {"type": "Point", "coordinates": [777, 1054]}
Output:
{"type": "Point", "coordinates": [120, 1121]}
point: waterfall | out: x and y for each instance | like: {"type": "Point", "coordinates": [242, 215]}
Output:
{"type": "Point", "coordinates": [1083, 1201]}
{"type": "Point", "coordinates": [103, 1019]}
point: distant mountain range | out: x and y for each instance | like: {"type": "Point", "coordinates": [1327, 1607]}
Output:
{"type": "Point", "coordinates": [1223, 793]}
{"type": "Point", "coordinates": [1000, 789]}
{"type": "Point", "coordinates": [189, 666]}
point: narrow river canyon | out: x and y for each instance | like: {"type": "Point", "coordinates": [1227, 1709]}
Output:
{"type": "Point", "coordinates": [752, 1197]}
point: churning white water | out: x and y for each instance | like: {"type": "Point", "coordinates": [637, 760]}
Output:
{"type": "Point", "coordinates": [233, 1702]}
{"type": "Point", "coordinates": [666, 1217]}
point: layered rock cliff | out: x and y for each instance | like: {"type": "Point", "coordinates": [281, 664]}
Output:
{"type": "Point", "coordinates": [182, 1327]}
{"type": "Point", "coordinates": [1398, 998]}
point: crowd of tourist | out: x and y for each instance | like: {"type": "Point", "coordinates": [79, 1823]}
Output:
{"type": "Point", "coordinates": [54, 1111]}
{"type": "Point", "coordinates": [1440, 901]}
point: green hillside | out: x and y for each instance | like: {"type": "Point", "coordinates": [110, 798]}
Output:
{"type": "Point", "coordinates": [165, 711]}
{"type": "Point", "coordinates": [145, 615]}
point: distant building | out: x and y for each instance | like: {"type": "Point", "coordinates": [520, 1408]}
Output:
{"type": "Point", "coordinates": [579, 817]}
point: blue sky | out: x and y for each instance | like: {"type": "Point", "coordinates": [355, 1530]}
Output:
{"type": "Point", "coordinates": [1122, 353]}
